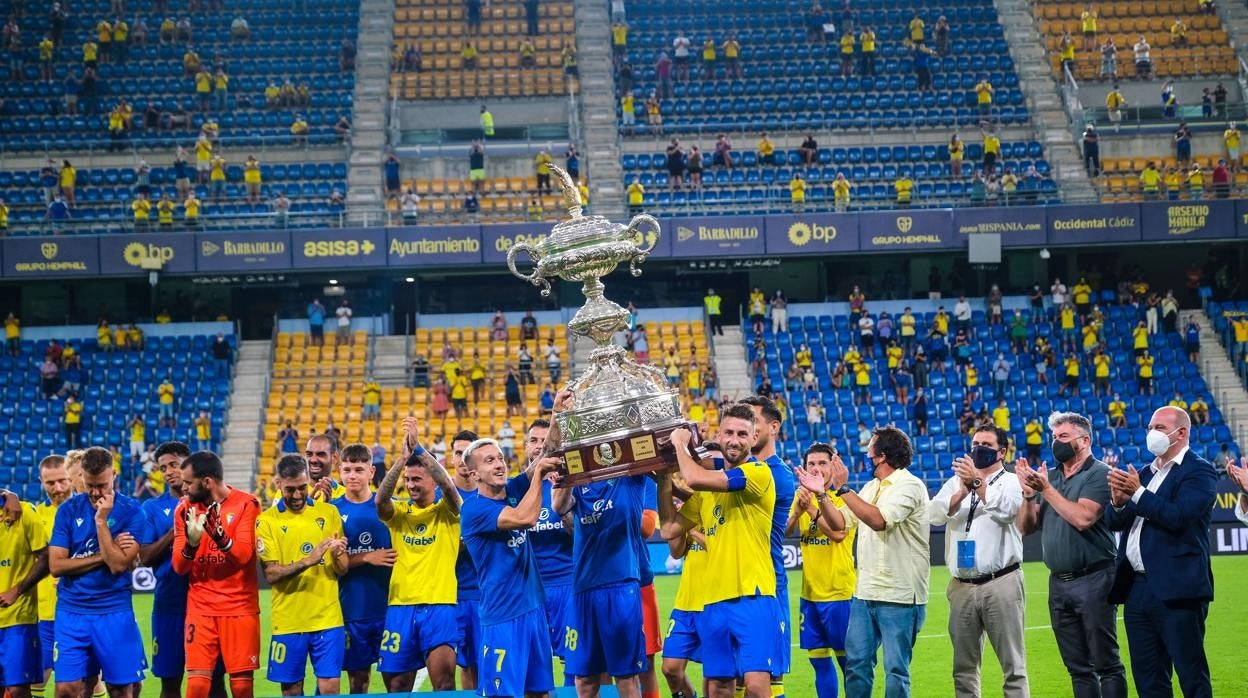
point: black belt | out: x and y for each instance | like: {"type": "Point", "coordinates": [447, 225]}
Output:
{"type": "Point", "coordinates": [1070, 576]}
{"type": "Point", "coordinates": [984, 579]}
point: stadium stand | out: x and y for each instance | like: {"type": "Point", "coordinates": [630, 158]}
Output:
{"type": "Point", "coordinates": [1121, 181]}
{"type": "Point", "coordinates": [504, 199]}
{"type": "Point", "coordinates": [1230, 323]}
{"type": "Point", "coordinates": [829, 339]}
{"type": "Point", "coordinates": [104, 196]}
{"type": "Point", "coordinates": [791, 83]}
{"type": "Point", "coordinates": [1203, 50]}
{"type": "Point", "coordinates": [116, 386]}
{"type": "Point", "coordinates": [756, 186]}
{"type": "Point", "coordinates": [299, 43]}
{"type": "Point", "coordinates": [439, 29]}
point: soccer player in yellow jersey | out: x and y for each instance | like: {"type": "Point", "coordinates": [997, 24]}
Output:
{"type": "Point", "coordinates": [422, 628]}
{"type": "Point", "coordinates": [57, 488]}
{"type": "Point", "coordinates": [681, 645]}
{"type": "Point", "coordinates": [323, 456]}
{"type": "Point", "coordinates": [740, 624]}
{"type": "Point", "coordinates": [303, 552]}
{"type": "Point", "coordinates": [828, 575]}
{"type": "Point", "coordinates": [23, 563]}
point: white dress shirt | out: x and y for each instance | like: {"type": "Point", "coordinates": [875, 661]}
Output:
{"type": "Point", "coordinates": [1160, 471]}
{"type": "Point", "coordinates": [998, 544]}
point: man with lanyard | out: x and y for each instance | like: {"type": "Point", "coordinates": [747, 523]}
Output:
{"type": "Point", "coordinates": [984, 551]}
{"type": "Point", "coordinates": [767, 422]}
{"type": "Point", "coordinates": [370, 559]}
{"type": "Point", "coordinates": [467, 592]}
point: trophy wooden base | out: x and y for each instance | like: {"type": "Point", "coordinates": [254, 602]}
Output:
{"type": "Point", "coordinates": [624, 456]}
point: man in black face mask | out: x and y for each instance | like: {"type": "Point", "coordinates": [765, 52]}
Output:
{"type": "Point", "coordinates": [983, 550]}
{"type": "Point", "coordinates": [1066, 506]}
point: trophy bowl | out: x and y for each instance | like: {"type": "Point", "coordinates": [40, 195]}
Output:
{"type": "Point", "coordinates": [622, 413]}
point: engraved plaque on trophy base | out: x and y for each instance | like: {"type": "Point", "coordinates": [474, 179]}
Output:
{"type": "Point", "coordinates": [633, 454]}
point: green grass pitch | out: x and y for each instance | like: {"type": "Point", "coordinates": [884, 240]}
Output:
{"type": "Point", "coordinates": [933, 655]}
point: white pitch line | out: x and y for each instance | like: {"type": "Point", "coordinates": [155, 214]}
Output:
{"type": "Point", "coordinates": [419, 683]}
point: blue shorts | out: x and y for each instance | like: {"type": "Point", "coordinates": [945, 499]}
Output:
{"type": "Point", "coordinates": [289, 653]}
{"type": "Point", "coordinates": [682, 637]}
{"type": "Point", "coordinates": [110, 641]}
{"type": "Point", "coordinates": [21, 662]}
{"type": "Point", "coordinates": [363, 643]}
{"type": "Point", "coordinates": [168, 645]}
{"type": "Point", "coordinates": [47, 641]}
{"type": "Point", "coordinates": [604, 631]}
{"type": "Point", "coordinates": [514, 656]}
{"type": "Point", "coordinates": [469, 614]}
{"type": "Point", "coordinates": [739, 636]}
{"type": "Point", "coordinates": [824, 624]}
{"type": "Point", "coordinates": [784, 644]}
{"type": "Point", "coordinates": [558, 598]}
{"type": "Point", "coordinates": [412, 632]}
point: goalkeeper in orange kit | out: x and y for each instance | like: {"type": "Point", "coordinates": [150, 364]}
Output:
{"type": "Point", "coordinates": [214, 545]}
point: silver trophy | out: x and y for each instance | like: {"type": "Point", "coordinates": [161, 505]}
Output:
{"type": "Point", "coordinates": [621, 412]}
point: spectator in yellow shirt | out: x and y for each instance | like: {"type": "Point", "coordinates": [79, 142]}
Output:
{"type": "Point", "coordinates": [1072, 376]}
{"type": "Point", "coordinates": [218, 178]}
{"type": "Point", "coordinates": [709, 57]}
{"type": "Point", "coordinates": [120, 338]}
{"type": "Point", "coordinates": [1001, 416]}
{"type": "Point", "coordinates": [1087, 25]}
{"type": "Point", "coordinates": [866, 56]}
{"type": "Point", "coordinates": [164, 211]}
{"type": "Point", "coordinates": [252, 178]}
{"type": "Point", "coordinates": [13, 334]}
{"type": "Point", "coordinates": [542, 164]}
{"type": "Point", "coordinates": [134, 337]}
{"type": "Point", "coordinates": [862, 383]}
{"type": "Point", "coordinates": [847, 54]}
{"type": "Point", "coordinates": [1035, 438]}
{"type": "Point", "coordinates": [372, 400]}
{"type": "Point", "coordinates": [104, 336]}
{"type": "Point", "coordinates": [636, 195]}
{"type": "Point", "coordinates": [1145, 374]}
{"type": "Point", "coordinates": [299, 131]}
{"type": "Point", "coordinates": [766, 150]}
{"type": "Point", "coordinates": [165, 393]}
{"type": "Point", "coordinates": [1199, 410]}
{"type": "Point", "coordinates": [916, 30]}
{"type": "Point", "coordinates": [983, 97]}
{"type": "Point", "coordinates": [90, 54]}
{"type": "Point", "coordinates": [203, 88]}
{"type": "Point", "coordinates": [797, 192]}
{"type": "Point", "coordinates": [1150, 181]}
{"type": "Point", "coordinates": [732, 57]}
{"type": "Point", "coordinates": [142, 208]}
{"type": "Point", "coordinates": [1117, 412]}
{"type": "Point", "coordinates": [903, 186]}
{"type": "Point", "coordinates": [1231, 138]}
{"type": "Point", "coordinates": [190, 209]}
{"type": "Point", "coordinates": [841, 192]}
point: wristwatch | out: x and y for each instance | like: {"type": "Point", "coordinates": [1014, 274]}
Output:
{"type": "Point", "coordinates": [843, 490]}
{"type": "Point", "coordinates": [976, 483]}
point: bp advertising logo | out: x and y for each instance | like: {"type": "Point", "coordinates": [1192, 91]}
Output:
{"type": "Point", "coordinates": [802, 234]}
{"type": "Point", "coordinates": [144, 255]}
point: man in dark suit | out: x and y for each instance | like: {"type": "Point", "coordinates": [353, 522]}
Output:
{"type": "Point", "coordinates": [1164, 576]}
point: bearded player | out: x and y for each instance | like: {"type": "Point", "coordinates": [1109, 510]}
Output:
{"type": "Point", "coordinates": [422, 628]}
{"type": "Point", "coordinates": [767, 423]}
{"type": "Point", "coordinates": [57, 489]}
{"type": "Point", "coordinates": [362, 590]}
{"type": "Point", "coordinates": [214, 546]}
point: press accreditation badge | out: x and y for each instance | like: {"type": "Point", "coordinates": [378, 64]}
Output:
{"type": "Point", "coordinates": [966, 554]}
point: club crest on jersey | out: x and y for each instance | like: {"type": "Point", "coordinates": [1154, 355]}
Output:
{"type": "Point", "coordinates": [306, 548]}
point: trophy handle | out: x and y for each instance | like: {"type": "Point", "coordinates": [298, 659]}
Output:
{"type": "Point", "coordinates": [536, 256]}
{"type": "Point", "coordinates": [642, 226]}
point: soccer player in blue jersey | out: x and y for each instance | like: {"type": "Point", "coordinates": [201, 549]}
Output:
{"type": "Point", "coordinates": [601, 629]}
{"type": "Point", "coordinates": [467, 592]}
{"type": "Point", "coordinates": [649, 598]}
{"type": "Point", "coordinates": [514, 655]}
{"type": "Point", "coordinates": [94, 543]}
{"type": "Point", "coordinates": [739, 625]}
{"type": "Point", "coordinates": [552, 546]}
{"type": "Point", "coordinates": [767, 423]}
{"type": "Point", "coordinates": [370, 557]}
{"type": "Point", "coordinates": [169, 600]}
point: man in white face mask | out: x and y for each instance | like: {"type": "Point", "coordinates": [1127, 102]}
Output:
{"type": "Point", "coordinates": [1163, 576]}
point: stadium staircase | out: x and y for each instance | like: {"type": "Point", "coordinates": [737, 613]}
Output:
{"type": "Point", "coordinates": [247, 393]}
{"type": "Point", "coordinates": [368, 122]}
{"type": "Point", "coordinates": [731, 368]}
{"type": "Point", "coordinates": [597, 104]}
{"type": "Point", "coordinates": [1045, 102]}
{"type": "Point", "coordinates": [388, 359]}
{"type": "Point", "coordinates": [1235, 22]}
{"type": "Point", "coordinates": [1218, 370]}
